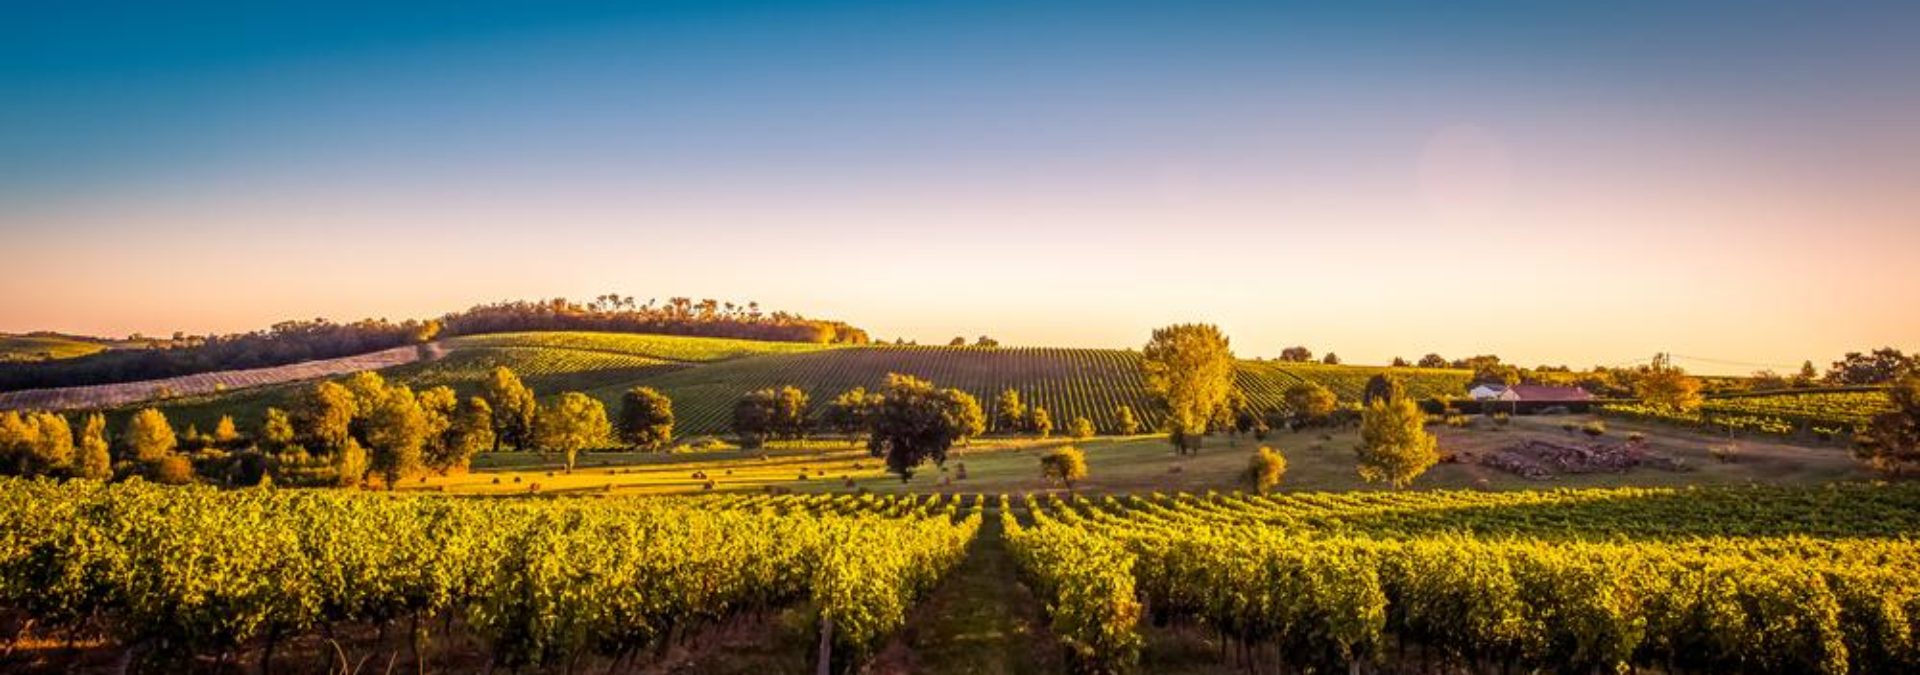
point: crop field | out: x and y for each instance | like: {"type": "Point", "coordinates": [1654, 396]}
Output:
{"type": "Point", "coordinates": [1829, 414]}
{"type": "Point", "coordinates": [1740, 579]}
{"type": "Point", "coordinates": [514, 583]}
{"type": "Point", "coordinates": [1069, 383]}
{"type": "Point", "coordinates": [115, 395]}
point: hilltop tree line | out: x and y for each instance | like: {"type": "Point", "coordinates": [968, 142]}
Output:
{"type": "Point", "coordinates": [296, 341]}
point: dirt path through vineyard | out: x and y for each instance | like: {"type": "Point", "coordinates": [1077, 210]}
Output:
{"type": "Point", "coordinates": [980, 620]}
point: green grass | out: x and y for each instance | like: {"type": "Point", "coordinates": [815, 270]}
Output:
{"type": "Point", "coordinates": [46, 347]}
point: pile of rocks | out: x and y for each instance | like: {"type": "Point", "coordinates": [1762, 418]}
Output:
{"type": "Point", "coordinates": [1542, 460]}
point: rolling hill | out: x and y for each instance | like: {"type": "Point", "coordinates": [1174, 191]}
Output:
{"type": "Point", "coordinates": [47, 347]}
{"type": "Point", "coordinates": [705, 376]}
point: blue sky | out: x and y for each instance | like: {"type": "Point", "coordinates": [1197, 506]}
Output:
{"type": "Point", "coordinates": [1061, 173]}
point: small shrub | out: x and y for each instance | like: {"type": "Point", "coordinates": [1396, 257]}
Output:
{"type": "Point", "coordinates": [1636, 437]}
{"type": "Point", "coordinates": [1066, 465]}
{"type": "Point", "coordinates": [1501, 419]}
{"type": "Point", "coordinates": [1595, 428]}
{"type": "Point", "coordinates": [1264, 469]}
{"type": "Point", "coordinates": [172, 470]}
{"type": "Point", "coordinates": [1081, 428]}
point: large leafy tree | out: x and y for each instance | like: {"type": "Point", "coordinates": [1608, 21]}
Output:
{"type": "Point", "coordinates": [1878, 367]}
{"type": "Point", "coordinates": [570, 423]}
{"type": "Point", "coordinates": [1296, 354]}
{"type": "Point", "coordinates": [1891, 442]}
{"type": "Point", "coordinates": [396, 430]}
{"type": "Point", "coordinates": [276, 429]}
{"type": "Point", "coordinates": [1189, 367]}
{"type": "Point", "coordinates": [914, 423]}
{"type": "Point", "coordinates": [324, 415]}
{"type": "Point", "coordinates": [1310, 402]}
{"type": "Point", "coordinates": [646, 419]}
{"type": "Point", "coordinates": [513, 408]}
{"type": "Point", "coordinates": [1383, 386]}
{"type": "Point", "coordinates": [847, 413]}
{"type": "Point", "coordinates": [1395, 447]}
{"type": "Point", "coordinates": [469, 430]}
{"type": "Point", "coordinates": [1432, 361]}
{"type": "Point", "coordinates": [770, 413]}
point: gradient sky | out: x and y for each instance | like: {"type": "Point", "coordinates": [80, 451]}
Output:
{"type": "Point", "coordinates": [1551, 183]}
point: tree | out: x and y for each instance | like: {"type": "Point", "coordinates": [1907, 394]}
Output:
{"type": "Point", "coordinates": [1891, 441]}
{"type": "Point", "coordinates": [847, 413]}
{"type": "Point", "coordinates": [1310, 402]}
{"type": "Point", "coordinates": [1332, 359]}
{"type": "Point", "coordinates": [149, 438]}
{"type": "Point", "coordinates": [1264, 469]}
{"type": "Point", "coordinates": [967, 414]}
{"type": "Point", "coordinates": [1039, 421]}
{"type": "Point", "coordinates": [513, 408]}
{"type": "Point", "coordinates": [324, 415]}
{"type": "Point", "coordinates": [1384, 387]}
{"type": "Point", "coordinates": [1296, 354]}
{"type": "Point", "coordinates": [1080, 428]}
{"type": "Point", "coordinates": [35, 443]}
{"type": "Point", "coordinates": [1395, 447]}
{"type": "Point", "coordinates": [1665, 385]}
{"type": "Point", "coordinates": [276, 429]}
{"type": "Point", "coordinates": [1189, 367]}
{"type": "Point", "coordinates": [914, 423]}
{"type": "Point", "coordinates": [396, 432]}
{"type": "Point", "coordinates": [225, 434]}
{"type": "Point", "coordinates": [1879, 367]}
{"type": "Point", "coordinates": [350, 463]}
{"type": "Point", "coordinates": [368, 389]}
{"type": "Point", "coordinates": [646, 419]}
{"type": "Point", "coordinates": [986, 342]}
{"type": "Point", "coordinates": [957, 341]}
{"type": "Point", "coordinates": [1806, 375]}
{"type": "Point", "coordinates": [1009, 415]}
{"type": "Point", "coordinates": [1433, 361]}
{"type": "Point", "coordinates": [469, 430]}
{"type": "Point", "coordinates": [93, 462]}
{"type": "Point", "coordinates": [1128, 424]}
{"type": "Point", "coordinates": [770, 413]}
{"type": "Point", "coordinates": [571, 423]}
{"type": "Point", "coordinates": [1065, 465]}
{"type": "Point", "coordinates": [1399, 362]}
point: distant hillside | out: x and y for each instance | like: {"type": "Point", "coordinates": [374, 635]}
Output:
{"type": "Point", "coordinates": [705, 376]}
{"type": "Point", "coordinates": [36, 347]}
{"type": "Point", "coordinates": [294, 342]}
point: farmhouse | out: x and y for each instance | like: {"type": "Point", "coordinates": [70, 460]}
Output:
{"type": "Point", "coordinates": [1528, 392]}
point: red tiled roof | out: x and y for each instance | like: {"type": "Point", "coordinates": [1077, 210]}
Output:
{"type": "Point", "coordinates": [1542, 392]}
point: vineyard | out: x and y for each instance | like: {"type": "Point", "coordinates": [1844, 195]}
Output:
{"type": "Point", "coordinates": [1069, 383]}
{"type": "Point", "coordinates": [1709, 580]}
{"type": "Point", "coordinates": [1830, 414]}
{"type": "Point", "coordinates": [174, 574]}
{"type": "Point", "coordinates": [706, 376]}
{"type": "Point", "coordinates": [112, 395]}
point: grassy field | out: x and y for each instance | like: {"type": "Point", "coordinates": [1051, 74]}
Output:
{"type": "Point", "coordinates": [1319, 461]}
{"type": "Point", "coordinates": [706, 376]}
{"type": "Point", "coordinates": [46, 347]}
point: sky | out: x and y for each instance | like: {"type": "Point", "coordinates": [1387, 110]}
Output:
{"type": "Point", "coordinates": [1577, 183]}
